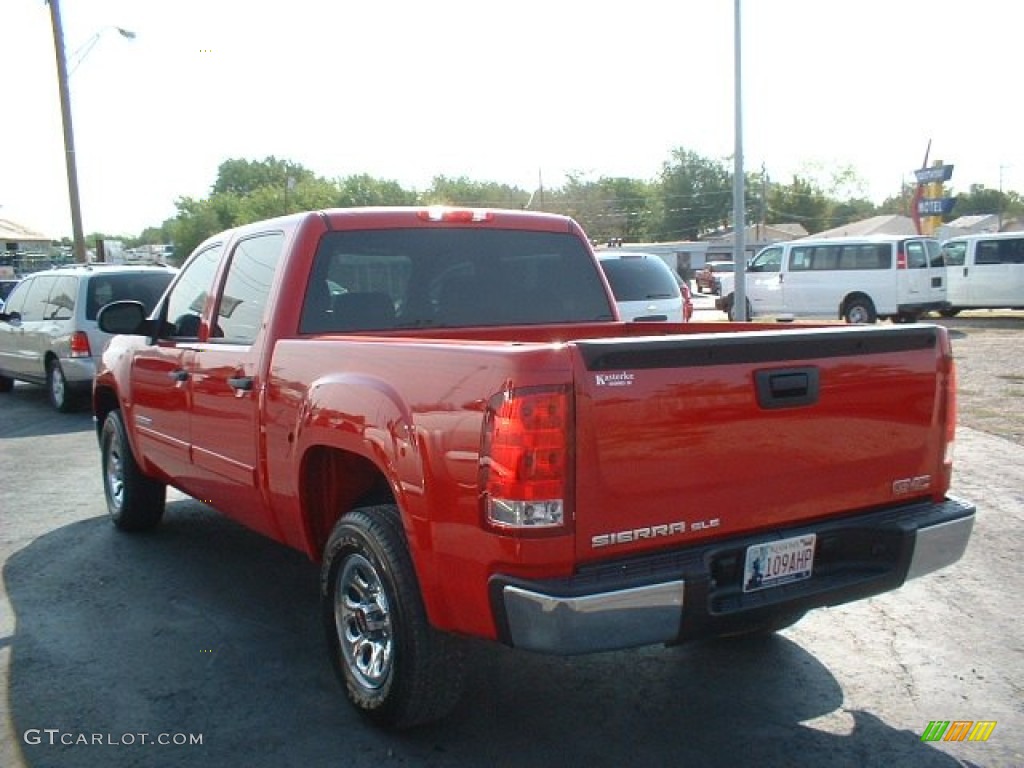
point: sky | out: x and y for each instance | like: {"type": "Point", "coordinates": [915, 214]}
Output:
{"type": "Point", "coordinates": [516, 93]}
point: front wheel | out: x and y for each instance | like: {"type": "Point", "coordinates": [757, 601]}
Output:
{"type": "Point", "coordinates": [731, 311]}
{"type": "Point", "coordinates": [397, 670]}
{"type": "Point", "coordinates": [135, 502]}
{"type": "Point", "coordinates": [859, 309]}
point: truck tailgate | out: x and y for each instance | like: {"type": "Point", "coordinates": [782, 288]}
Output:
{"type": "Point", "coordinates": [685, 437]}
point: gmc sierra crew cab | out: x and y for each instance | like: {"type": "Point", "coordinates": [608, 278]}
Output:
{"type": "Point", "coordinates": [442, 408]}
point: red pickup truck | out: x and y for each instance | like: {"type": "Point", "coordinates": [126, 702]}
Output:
{"type": "Point", "coordinates": [441, 407]}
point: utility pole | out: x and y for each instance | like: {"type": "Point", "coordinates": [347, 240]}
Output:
{"type": "Point", "coordinates": [738, 200]}
{"type": "Point", "coordinates": [999, 217]}
{"type": "Point", "coordinates": [78, 235]}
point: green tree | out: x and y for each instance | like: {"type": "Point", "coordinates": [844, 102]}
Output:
{"type": "Point", "coordinates": [363, 189]}
{"type": "Point", "coordinates": [854, 209]}
{"type": "Point", "coordinates": [585, 201]}
{"type": "Point", "coordinates": [696, 196]}
{"type": "Point", "coordinates": [479, 194]}
{"type": "Point", "coordinates": [982, 200]}
{"type": "Point", "coordinates": [900, 204]}
{"type": "Point", "coordinates": [800, 201]}
{"type": "Point", "coordinates": [243, 177]}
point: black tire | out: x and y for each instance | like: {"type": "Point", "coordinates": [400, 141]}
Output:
{"type": "Point", "coordinates": [731, 314]}
{"type": "Point", "coordinates": [949, 312]}
{"type": "Point", "coordinates": [397, 670]}
{"type": "Point", "coordinates": [859, 310]}
{"type": "Point", "coordinates": [135, 502]}
{"type": "Point", "coordinates": [6, 384]}
{"type": "Point", "coordinates": [57, 390]}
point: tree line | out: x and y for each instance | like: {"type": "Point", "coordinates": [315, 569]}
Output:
{"type": "Point", "coordinates": [690, 198]}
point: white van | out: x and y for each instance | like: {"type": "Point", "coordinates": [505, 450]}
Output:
{"type": "Point", "coordinates": [858, 279]}
{"type": "Point", "coordinates": [984, 271]}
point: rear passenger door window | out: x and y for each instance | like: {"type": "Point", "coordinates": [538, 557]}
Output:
{"type": "Point", "coordinates": [61, 303]}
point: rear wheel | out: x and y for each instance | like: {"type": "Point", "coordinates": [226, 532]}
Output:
{"type": "Point", "coordinates": [135, 502]}
{"type": "Point", "coordinates": [859, 309]}
{"type": "Point", "coordinates": [397, 670]}
{"type": "Point", "coordinates": [57, 389]}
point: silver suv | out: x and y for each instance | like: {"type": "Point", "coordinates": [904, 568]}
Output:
{"type": "Point", "coordinates": [48, 332]}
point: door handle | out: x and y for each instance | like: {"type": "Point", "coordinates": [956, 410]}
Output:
{"type": "Point", "coordinates": [178, 374]}
{"type": "Point", "coordinates": [240, 383]}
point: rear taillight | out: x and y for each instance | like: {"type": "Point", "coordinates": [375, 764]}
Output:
{"type": "Point", "coordinates": [80, 344]}
{"type": "Point", "coordinates": [901, 259]}
{"type": "Point", "coordinates": [947, 416]}
{"type": "Point", "coordinates": [524, 460]}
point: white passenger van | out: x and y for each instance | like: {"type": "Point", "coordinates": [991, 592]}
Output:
{"type": "Point", "coordinates": [858, 279]}
{"type": "Point", "coordinates": [984, 271]}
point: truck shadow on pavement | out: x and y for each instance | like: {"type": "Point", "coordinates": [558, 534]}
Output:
{"type": "Point", "coordinates": [205, 628]}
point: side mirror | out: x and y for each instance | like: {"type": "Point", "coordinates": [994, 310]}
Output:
{"type": "Point", "coordinates": [126, 317]}
{"type": "Point", "coordinates": [10, 317]}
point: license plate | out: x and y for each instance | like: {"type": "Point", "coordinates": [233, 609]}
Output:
{"type": "Point", "coordinates": [778, 562]}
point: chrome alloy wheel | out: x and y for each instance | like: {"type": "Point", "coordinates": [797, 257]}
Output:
{"type": "Point", "coordinates": [858, 314]}
{"type": "Point", "coordinates": [363, 620]}
{"type": "Point", "coordinates": [58, 386]}
{"type": "Point", "coordinates": [115, 472]}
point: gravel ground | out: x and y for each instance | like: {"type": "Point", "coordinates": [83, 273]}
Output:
{"type": "Point", "coordinates": [989, 350]}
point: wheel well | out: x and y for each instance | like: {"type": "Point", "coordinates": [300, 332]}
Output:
{"type": "Point", "coordinates": [104, 401]}
{"type": "Point", "coordinates": [850, 297]}
{"type": "Point", "coordinates": [334, 482]}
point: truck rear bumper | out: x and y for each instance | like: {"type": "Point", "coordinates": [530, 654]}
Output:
{"type": "Point", "coordinates": [688, 594]}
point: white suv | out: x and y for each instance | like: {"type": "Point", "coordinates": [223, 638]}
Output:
{"type": "Point", "coordinates": [646, 289]}
{"type": "Point", "coordinates": [48, 332]}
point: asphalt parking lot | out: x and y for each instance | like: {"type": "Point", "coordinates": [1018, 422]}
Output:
{"type": "Point", "coordinates": [110, 643]}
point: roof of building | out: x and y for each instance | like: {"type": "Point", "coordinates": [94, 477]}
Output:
{"type": "Point", "coordinates": [14, 232]}
{"type": "Point", "coordinates": [764, 233]}
{"type": "Point", "coordinates": [889, 224]}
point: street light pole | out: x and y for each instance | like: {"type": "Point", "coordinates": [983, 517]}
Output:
{"type": "Point", "coordinates": [739, 220]}
{"type": "Point", "coordinates": [79, 55]}
{"type": "Point", "coordinates": [69, 136]}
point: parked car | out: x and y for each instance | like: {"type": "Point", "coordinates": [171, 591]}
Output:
{"type": "Point", "coordinates": [984, 271]}
{"type": "Point", "coordinates": [856, 279]}
{"type": "Point", "coordinates": [684, 288]}
{"type": "Point", "coordinates": [6, 286]}
{"type": "Point", "coordinates": [646, 289]}
{"type": "Point", "coordinates": [706, 277]}
{"type": "Point", "coordinates": [48, 330]}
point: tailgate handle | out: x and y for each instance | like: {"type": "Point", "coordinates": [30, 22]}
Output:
{"type": "Point", "coordinates": [787, 388]}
